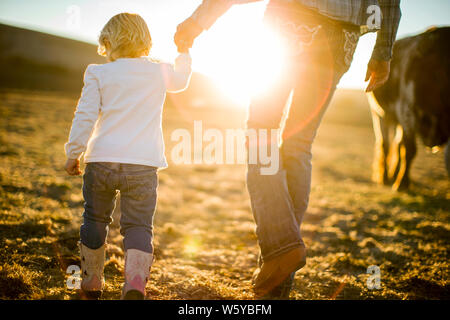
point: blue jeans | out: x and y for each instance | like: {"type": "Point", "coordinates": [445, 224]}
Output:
{"type": "Point", "coordinates": [319, 53]}
{"type": "Point", "coordinates": [137, 185]}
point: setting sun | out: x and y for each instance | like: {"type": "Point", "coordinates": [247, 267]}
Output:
{"type": "Point", "coordinates": [240, 53]}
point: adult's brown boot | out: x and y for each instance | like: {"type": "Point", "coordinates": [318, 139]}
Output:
{"type": "Point", "coordinates": [274, 271]}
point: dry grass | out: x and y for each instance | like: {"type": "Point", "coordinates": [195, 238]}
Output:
{"type": "Point", "coordinates": [204, 231]}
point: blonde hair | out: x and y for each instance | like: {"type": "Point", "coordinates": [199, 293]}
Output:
{"type": "Point", "coordinates": [127, 35]}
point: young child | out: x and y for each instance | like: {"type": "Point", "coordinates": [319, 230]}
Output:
{"type": "Point", "coordinates": [117, 125]}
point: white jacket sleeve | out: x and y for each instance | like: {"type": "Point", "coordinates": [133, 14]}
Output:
{"type": "Point", "coordinates": [86, 115]}
{"type": "Point", "coordinates": [176, 78]}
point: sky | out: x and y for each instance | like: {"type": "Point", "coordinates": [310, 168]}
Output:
{"type": "Point", "coordinates": [230, 52]}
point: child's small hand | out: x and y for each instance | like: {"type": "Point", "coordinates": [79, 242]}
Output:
{"type": "Point", "coordinates": [73, 167]}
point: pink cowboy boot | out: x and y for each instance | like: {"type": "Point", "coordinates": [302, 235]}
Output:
{"type": "Point", "coordinates": [137, 270]}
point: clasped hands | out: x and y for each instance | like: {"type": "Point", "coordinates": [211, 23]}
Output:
{"type": "Point", "coordinates": [186, 33]}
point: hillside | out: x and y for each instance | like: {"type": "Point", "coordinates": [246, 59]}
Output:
{"type": "Point", "coordinates": [35, 60]}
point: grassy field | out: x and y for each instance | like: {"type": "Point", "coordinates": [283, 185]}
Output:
{"type": "Point", "coordinates": [205, 244]}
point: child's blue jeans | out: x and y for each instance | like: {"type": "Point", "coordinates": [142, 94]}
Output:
{"type": "Point", "coordinates": [137, 185]}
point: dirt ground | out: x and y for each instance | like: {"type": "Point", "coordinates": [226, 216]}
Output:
{"type": "Point", "coordinates": [205, 245]}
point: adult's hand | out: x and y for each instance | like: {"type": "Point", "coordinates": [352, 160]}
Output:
{"type": "Point", "coordinates": [186, 33]}
{"type": "Point", "coordinates": [378, 73]}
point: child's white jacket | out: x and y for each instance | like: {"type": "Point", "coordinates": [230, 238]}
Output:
{"type": "Point", "coordinates": [118, 117]}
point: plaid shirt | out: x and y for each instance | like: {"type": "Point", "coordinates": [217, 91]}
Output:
{"type": "Point", "coordinates": [356, 12]}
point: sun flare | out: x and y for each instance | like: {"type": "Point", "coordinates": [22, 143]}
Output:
{"type": "Point", "coordinates": [241, 54]}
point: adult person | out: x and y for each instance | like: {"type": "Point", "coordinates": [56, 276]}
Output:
{"type": "Point", "coordinates": [321, 37]}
